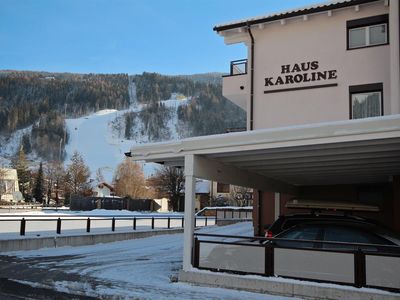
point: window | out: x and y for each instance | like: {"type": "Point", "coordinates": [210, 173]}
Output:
{"type": "Point", "coordinates": [367, 32]}
{"type": "Point", "coordinates": [366, 101]}
{"type": "Point", "coordinates": [222, 188]}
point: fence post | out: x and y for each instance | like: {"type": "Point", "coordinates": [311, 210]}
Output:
{"type": "Point", "coordinates": [195, 222]}
{"type": "Point", "coordinates": [134, 223]}
{"type": "Point", "coordinates": [22, 228]}
{"type": "Point", "coordinates": [152, 222]}
{"type": "Point", "coordinates": [88, 225]}
{"type": "Point", "coordinates": [269, 259]}
{"type": "Point", "coordinates": [359, 269]}
{"type": "Point", "coordinates": [113, 224]}
{"type": "Point", "coordinates": [59, 226]}
{"type": "Point", "coordinates": [206, 222]}
{"type": "Point", "coordinates": [183, 222]}
{"type": "Point", "coordinates": [169, 223]}
{"type": "Point", "coordinates": [240, 213]}
{"type": "Point", "coordinates": [196, 253]}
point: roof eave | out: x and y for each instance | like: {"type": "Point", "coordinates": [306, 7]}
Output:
{"type": "Point", "coordinates": [291, 14]}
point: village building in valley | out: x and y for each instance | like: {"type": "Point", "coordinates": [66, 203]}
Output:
{"type": "Point", "coordinates": [321, 89]}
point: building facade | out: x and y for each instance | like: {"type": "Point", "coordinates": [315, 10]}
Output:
{"type": "Point", "coordinates": [9, 187]}
{"type": "Point", "coordinates": [333, 62]}
{"type": "Point", "coordinates": [328, 63]}
{"type": "Point", "coordinates": [320, 87]}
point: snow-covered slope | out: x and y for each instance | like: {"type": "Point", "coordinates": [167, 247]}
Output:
{"type": "Point", "coordinates": [9, 145]}
{"type": "Point", "coordinates": [103, 147]}
{"type": "Point", "coordinates": [90, 136]}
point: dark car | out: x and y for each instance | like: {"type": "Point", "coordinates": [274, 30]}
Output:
{"type": "Point", "coordinates": [287, 221]}
{"type": "Point", "coordinates": [339, 235]}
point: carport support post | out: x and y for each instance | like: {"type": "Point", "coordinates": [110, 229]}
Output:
{"type": "Point", "coordinates": [190, 183]}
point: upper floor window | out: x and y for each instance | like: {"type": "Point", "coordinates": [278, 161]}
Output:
{"type": "Point", "coordinates": [366, 101]}
{"type": "Point", "coordinates": [367, 32]}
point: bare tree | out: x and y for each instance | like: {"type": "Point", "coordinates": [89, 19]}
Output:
{"type": "Point", "coordinates": [54, 178]}
{"type": "Point", "coordinates": [129, 180]}
{"type": "Point", "coordinates": [169, 182]}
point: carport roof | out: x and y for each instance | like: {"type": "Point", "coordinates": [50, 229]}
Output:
{"type": "Point", "coordinates": [351, 151]}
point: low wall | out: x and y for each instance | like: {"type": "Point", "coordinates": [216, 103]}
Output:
{"type": "Point", "coordinates": [78, 240]}
{"type": "Point", "coordinates": [283, 287]}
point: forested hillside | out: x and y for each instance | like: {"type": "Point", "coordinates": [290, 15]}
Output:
{"type": "Point", "coordinates": [40, 102]}
{"type": "Point", "coordinates": [45, 99]}
{"type": "Point", "coordinates": [24, 96]}
{"type": "Point", "coordinates": [208, 112]}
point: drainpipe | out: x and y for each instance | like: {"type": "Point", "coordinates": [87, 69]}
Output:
{"type": "Point", "coordinates": [251, 77]}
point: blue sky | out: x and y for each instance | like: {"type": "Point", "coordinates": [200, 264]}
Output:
{"type": "Point", "coordinates": [124, 36]}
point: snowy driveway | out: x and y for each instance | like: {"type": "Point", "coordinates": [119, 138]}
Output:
{"type": "Point", "coordinates": [139, 269]}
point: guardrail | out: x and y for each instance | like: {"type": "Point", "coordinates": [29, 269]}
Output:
{"type": "Point", "coordinates": [152, 222]}
{"type": "Point", "coordinates": [359, 265]}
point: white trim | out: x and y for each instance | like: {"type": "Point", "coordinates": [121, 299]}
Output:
{"type": "Point", "coordinates": [190, 186]}
{"type": "Point", "coordinates": [312, 134]}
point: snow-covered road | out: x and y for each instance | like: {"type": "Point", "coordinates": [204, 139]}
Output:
{"type": "Point", "coordinates": [140, 269]}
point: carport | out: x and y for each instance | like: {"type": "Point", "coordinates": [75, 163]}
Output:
{"type": "Point", "coordinates": [281, 163]}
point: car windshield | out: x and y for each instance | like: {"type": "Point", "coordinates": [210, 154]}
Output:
{"type": "Point", "coordinates": [301, 233]}
{"type": "Point", "coordinates": [352, 235]}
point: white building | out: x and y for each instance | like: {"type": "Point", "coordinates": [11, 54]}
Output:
{"type": "Point", "coordinates": [320, 87]}
{"type": "Point", "coordinates": [8, 185]}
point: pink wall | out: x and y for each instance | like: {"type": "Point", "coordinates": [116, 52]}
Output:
{"type": "Point", "coordinates": [321, 38]}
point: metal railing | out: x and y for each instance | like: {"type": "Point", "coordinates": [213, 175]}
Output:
{"type": "Point", "coordinates": [359, 265]}
{"type": "Point", "coordinates": [238, 67]}
{"type": "Point", "coordinates": [227, 213]}
{"type": "Point", "coordinates": [153, 222]}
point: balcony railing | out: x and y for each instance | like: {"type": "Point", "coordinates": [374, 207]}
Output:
{"type": "Point", "coordinates": [238, 67]}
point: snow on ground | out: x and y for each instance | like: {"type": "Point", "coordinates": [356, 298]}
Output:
{"type": "Point", "coordinates": [44, 223]}
{"type": "Point", "coordinates": [94, 213]}
{"type": "Point", "coordinates": [141, 268]}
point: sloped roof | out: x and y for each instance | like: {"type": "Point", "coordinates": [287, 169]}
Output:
{"type": "Point", "coordinates": [320, 7]}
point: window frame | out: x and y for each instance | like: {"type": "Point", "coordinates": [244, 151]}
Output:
{"type": "Point", "coordinates": [365, 88]}
{"type": "Point", "coordinates": [367, 23]}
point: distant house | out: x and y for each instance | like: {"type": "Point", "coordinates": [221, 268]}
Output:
{"type": "Point", "coordinates": [202, 193]}
{"type": "Point", "coordinates": [8, 185]}
{"type": "Point", "coordinates": [103, 189]}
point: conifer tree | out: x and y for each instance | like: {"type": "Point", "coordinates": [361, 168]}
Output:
{"type": "Point", "coordinates": [24, 175]}
{"type": "Point", "coordinates": [38, 190]}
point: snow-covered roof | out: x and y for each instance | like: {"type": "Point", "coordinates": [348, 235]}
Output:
{"type": "Point", "coordinates": [320, 7]}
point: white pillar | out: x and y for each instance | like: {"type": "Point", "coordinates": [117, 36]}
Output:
{"type": "Point", "coordinates": [190, 189]}
{"type": "Point", "coordinates": [277, 205]}
{"type": "Point", "coordinates": [394, 40]}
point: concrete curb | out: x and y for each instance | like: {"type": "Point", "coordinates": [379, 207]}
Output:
{"type": "Point", "coordinates": [78, 240]}
{"type": "Point", "coordinates": [305, 290]}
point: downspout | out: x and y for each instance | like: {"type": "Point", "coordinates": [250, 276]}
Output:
{"type": "Point", "coordinates": [251, 77]}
